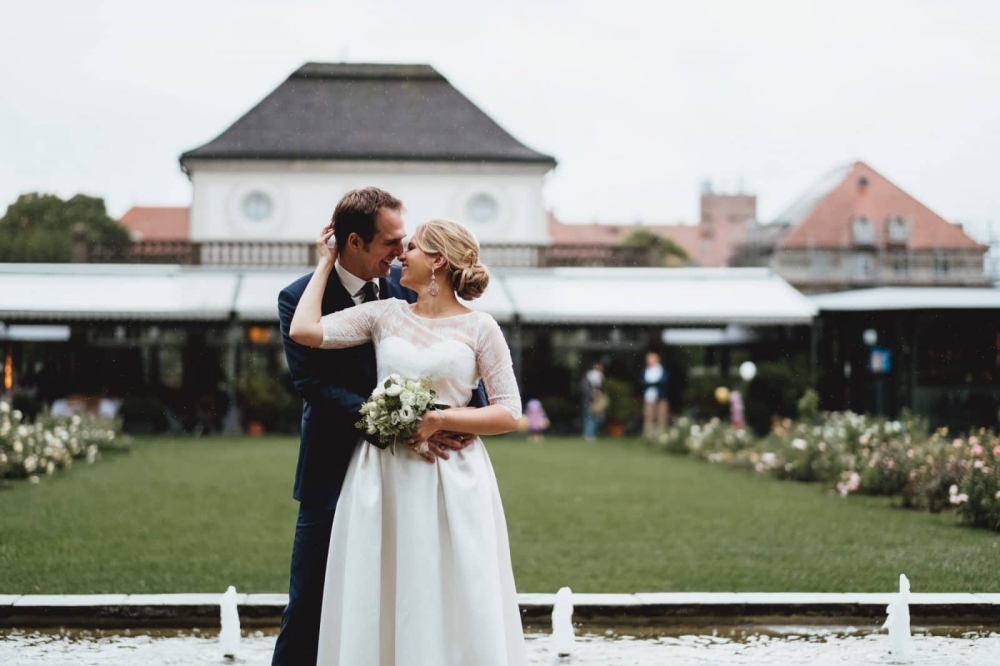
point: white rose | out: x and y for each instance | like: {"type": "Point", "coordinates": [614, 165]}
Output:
{"type": "Point", "coordinates": [406, 414]}
{"type": "Point", "coordinates": [407, 397]}
{"type": "Point", "coordinates": [394, 390]}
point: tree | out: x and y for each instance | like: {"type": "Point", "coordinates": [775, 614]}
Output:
{"type": "Point", "coordinates": [42, 227]}
{"type": "Point", "coordinates": [672, 253]}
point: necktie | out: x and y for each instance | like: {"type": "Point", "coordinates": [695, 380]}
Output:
{"type": "Point", "coordinates": [368, 292]}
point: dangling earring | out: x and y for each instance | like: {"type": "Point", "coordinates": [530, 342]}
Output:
{"type": "Point", "coordinates": [433, 288]}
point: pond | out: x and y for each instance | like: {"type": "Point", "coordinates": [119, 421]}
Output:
{"type": "Point", "coordinates": [677, 646]}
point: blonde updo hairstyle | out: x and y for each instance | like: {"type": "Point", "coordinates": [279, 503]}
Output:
{"type": "Point", "coordinates": [460, 250]}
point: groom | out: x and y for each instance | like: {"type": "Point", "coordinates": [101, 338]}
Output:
{"type": "Point", "coordinates": [333, 384]}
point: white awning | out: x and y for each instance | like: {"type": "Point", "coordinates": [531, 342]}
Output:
{"type": "Point", "coordinates": [909, 298]}
{"type": "Point", "coordinates": [608, 296]}
{"type": "Point", "coordinates": [35, 333]}
{"type": "Point", "coordinates": [257, 299]}
{"type": "Point", "coordinates": [107, 291]}
{"type": "Point", "coordinates": [656, 296]}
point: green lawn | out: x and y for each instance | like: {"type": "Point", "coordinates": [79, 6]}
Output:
{"type": "Point", "coordinates": [196, 515]}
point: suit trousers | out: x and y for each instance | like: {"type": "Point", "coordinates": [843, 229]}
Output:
{"type": "Point", "coordinates": [299, 636]}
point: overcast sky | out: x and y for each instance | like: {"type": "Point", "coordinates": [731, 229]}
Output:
{"type": "Point", "coordinates": [639, 101]}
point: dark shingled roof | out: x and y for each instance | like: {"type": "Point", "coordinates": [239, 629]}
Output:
{"type": "Point", "coordinates": [367, 112]}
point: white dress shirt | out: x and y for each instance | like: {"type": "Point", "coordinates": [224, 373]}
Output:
{"type": "Point", "coordinates": [354, 284]}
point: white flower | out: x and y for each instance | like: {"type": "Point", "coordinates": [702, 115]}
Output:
{"type": "Point", "coordinates": [17, 414]}
{"type": "Point", "coordinates": [4, 408]}
{"type": "Point", "coordinates": [769, 458]}
{"type": "Point", "coordinates": [18, 446]}
{"type": "Point", "coordinates": [51, 467]}
{"type": "Point", "coordinates": [799, 444]}
{"type": "Point", "coordinates": [959, 499]}
{"type": "Point", "coordinates": [953, 490]}
{"type": "Point", "coordinates": [406, 414]}
{"type": "Point", "coordinates": [393, 390]}
{"type": "Point", "coordinates": [378, 392]}
{"type": "Point", "coordinates": [997, 496]}
{"type": "Point", "coordinates": [407, 397]}
{"type": "Point", "coordinates": [33, 479]}
{"type": "Point", "coordinates": [30, 463]}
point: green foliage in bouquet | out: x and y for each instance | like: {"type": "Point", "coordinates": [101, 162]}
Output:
{"type": "Point", "coordinates": [395, 408]}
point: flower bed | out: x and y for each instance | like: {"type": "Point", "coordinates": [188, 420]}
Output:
{"type": "Point", "coordinates": [854, 453]}
{"type": "Point", "coordinates": [32, 450]}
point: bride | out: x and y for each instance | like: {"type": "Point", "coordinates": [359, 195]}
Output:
{"type": "Point", "coordinates": [419, 569]}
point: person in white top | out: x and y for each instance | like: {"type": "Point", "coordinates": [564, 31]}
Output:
{"type": "Point", "coordinates": [419, 569]}
{"type": "Point", "coordinates": [654, 397]}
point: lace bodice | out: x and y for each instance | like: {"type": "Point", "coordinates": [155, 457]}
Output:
{"type": "Point", "coordinates": [454, 352]}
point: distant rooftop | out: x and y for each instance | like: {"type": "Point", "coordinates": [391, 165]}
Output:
{"type": "Point", "coordinates": [347, 111]}
{"type": "Point", "coordinates": [823, 217]}
{"type": "Point", "coordinates": [157, 222]}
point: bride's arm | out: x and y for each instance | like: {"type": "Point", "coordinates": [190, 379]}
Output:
{"type": "Point", "coordinates": [346, 328]}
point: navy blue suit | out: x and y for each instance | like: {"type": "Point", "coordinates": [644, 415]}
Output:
{"type": "Point", "coordinates": [333, 384]}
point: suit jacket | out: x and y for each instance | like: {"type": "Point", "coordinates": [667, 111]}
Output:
{"type": "Point", "coordinates": [333, 384]}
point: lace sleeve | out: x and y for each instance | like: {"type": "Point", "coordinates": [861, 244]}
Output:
{"type": "Point", "coordinates": [496, 367]}
{"type": "Point", "coordinates": [353, 326]}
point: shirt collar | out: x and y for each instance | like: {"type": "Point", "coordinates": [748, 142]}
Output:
{"type": "Point", "coordinates": [351, 282]}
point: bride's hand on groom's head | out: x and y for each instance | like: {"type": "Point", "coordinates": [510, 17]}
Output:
{"type": "Point", "coordinates": [326, 245]}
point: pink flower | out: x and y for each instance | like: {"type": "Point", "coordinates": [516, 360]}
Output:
{"type": "Point", "coordinates": [996, 451]}
{"type": "Point", "coordinates": [976, 449]}
{"type": "Point", "coordinates": [974, 440]}
{"type": "Point", "coordinates": [890, 463]}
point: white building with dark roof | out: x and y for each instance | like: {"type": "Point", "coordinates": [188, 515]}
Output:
{"type": "Point", "coordinates": [278, 171]}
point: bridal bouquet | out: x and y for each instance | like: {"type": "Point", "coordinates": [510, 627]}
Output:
{"type": "Point", "coordinates": [395, 407]}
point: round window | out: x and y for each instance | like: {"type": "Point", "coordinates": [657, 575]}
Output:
{"type": "Point", "coordinates": [257, 206]}
{"type": "Point", "coordinates": [482, 208]}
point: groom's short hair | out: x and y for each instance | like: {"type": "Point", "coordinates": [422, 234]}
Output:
{"type": "Point", "coordinates": [357, 211]}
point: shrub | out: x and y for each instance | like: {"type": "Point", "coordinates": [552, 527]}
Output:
{"type": "Point", "coordinates": [265, 400]}
{"type": "Point", "coordinates": [561, 411]}
{"type": "Point", "coordinates": [51, 443]}
{"type": "Point", "coordinates": [143, 414]}
{"type": "Point", "coordinates": [978, 492]}
{"type": "Point", "coordinates": [623, 401]}
{"type": "Point", "coordinates": [699, 397]}
{"type": "Point", "coordinates": [774, 391]}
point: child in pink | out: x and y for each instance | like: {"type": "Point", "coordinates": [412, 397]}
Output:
{"type": "Point", "coordinates": [538, 422]}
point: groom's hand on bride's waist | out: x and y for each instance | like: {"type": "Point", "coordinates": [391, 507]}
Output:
{"type": "Point", "coordinates": [451, 441]}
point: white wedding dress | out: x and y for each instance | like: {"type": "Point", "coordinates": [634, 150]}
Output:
{"type": "Point", "coordinates": [419, 569]}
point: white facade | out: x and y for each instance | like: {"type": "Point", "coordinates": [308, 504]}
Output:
{"type": "Point", "coordinates": [273, 200]}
